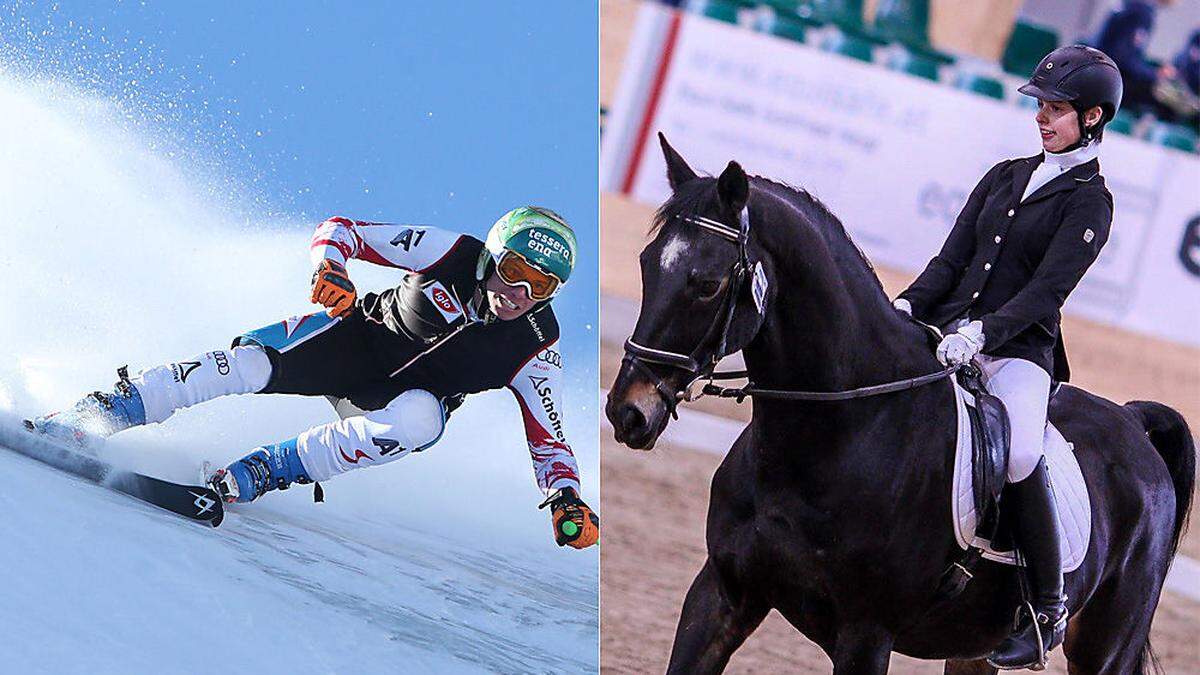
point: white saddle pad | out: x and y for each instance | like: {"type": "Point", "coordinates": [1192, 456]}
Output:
{"type": "Point", "coordinates": [1066, 480]}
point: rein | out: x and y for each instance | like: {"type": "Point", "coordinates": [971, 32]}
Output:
{"type": "Point", "coordinates": [640, 356]}
{"type": "Point", "coordinates": [741, 393]}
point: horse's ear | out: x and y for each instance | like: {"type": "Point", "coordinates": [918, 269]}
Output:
{"type": "Point", "coordinates": [733, 187]}
{"type": "Point", "coordinates": [678, 172]}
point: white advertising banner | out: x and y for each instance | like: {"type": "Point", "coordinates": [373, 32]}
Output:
{"type": "Point", "coordinates": [894, 156]}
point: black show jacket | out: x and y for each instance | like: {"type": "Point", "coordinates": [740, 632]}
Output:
{"type": "Point", "coordinates": [1011, 263]}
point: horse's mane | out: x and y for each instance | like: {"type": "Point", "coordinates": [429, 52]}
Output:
{"type": "Point", "coordinates": [689, 199]}
{"type": "Point", "coordinates": [844, 250]}
{"type": "Point", "coordinates": [695, 196]}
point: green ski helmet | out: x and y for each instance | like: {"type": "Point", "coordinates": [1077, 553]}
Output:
{"type": "Point", "coordinates": [538, 235]}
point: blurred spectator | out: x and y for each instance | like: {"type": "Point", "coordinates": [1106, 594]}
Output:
{"type": "Point", "coordinates": [1177, 96]}
{"type": "Point", "coordinates": [1187, 63]}
{"type": "Point", "coordinates": [1124, 36]}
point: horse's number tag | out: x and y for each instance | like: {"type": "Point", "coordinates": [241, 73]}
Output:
{"type": "Point", "coordinates": [758, 286]}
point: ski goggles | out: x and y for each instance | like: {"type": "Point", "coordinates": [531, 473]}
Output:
{"type": "Point", "coordinates": [515, 270]}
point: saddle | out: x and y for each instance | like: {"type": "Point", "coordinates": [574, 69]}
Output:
{"type": "Point", "coordinates": [991, 438]}
{"type": "Point", "coordinates": [983, 526]}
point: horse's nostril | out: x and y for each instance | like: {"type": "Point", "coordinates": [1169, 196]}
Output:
{"type": "Point", "coordinates": [632, 419]}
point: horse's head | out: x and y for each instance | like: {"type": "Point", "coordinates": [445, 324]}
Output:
{"type": "Point", "coordinates": [704, 293]}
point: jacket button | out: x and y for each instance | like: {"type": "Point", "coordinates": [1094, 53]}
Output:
{"type": "Point", "coordinates": [987, 266]}
{"type": "Point", "coordinates": [997, 239]}
{"type": "Point", "coordinates": [1012, 212]}
{"type": "Point", "coordinates": [975, 295]}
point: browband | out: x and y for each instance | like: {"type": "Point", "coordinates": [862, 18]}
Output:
{"type": "Point", "coordinates": [721, 229]}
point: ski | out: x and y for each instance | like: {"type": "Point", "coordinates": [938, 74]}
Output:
{"type": "Point", "coordinates": [199, 503]}
{"type": "Point", "coordinates": [190, 501]}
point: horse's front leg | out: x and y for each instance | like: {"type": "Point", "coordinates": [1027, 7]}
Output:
{"type": "Point", "coordinates": [714, 623]}
{"type": "Point", "coordinates": [862, 650]}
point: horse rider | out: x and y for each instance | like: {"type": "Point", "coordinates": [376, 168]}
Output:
{"type": "Point", "coordinates": [1029, 231]}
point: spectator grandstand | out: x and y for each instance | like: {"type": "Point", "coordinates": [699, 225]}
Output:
{"type": "Point", "coordinates": [888, 109]}
{"type": "Point", "coordinates": [896, 34]}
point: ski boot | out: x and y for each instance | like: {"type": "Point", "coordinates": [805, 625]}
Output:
{"type": "Point", "coordinates": [98, 414]}
{"type": "Point", "coordinates": [264, 469]}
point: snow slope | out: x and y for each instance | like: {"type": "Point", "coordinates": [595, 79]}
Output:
{"type": "Point", "coordinates": [114, 253]}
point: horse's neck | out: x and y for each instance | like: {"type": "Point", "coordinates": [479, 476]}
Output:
{"type": "Point", "coordinates": [823, 443]}
{"type": "Point", "coordinates": [825, 333]}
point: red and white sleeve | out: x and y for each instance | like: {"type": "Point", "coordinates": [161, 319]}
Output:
{"type": "Point", "coordinates": [538, 388]}
{"type": "Point", "coordinates": [411, 247]}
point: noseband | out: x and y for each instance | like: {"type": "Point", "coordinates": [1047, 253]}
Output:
{"type": "Point", "coordinates": [698, 368]}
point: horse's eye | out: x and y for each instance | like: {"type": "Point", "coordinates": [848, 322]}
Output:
{"type": "Point", "coordinates": [708, 288]}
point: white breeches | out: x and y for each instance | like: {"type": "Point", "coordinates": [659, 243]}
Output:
{"type": "Point", "coordinates": [411, 422]}
{"type": "Point", "coordinates": [165, 389]}
{"type": "Point", "coordinates": [1025, 390]}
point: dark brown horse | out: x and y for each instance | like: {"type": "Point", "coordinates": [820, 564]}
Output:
{"type": "Point", "coordinates": [837, 513]}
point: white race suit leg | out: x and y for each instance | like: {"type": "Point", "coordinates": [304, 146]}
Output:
{"type": "Point", "coordinates": [411, 422]}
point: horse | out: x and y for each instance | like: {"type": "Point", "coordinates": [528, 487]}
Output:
{"type": "Point", "coordinates": [836, 511]}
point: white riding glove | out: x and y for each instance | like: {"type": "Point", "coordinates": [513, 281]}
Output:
{"type": "Point", "coordinates": [903, 305]}
{"type": "Point", "coordinates": [958, 348]}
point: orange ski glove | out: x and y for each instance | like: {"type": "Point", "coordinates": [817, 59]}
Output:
{"type": "Point", "coordinates": [574, 523]}
{"type": "Point", "coordinates": [331, 287]}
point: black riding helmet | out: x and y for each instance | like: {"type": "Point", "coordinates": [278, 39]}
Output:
{"type": "Point", "coordinates": [1084, 77]}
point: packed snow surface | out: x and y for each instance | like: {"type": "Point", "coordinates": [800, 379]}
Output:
{"type": "Point", "coordinates": [116, 253]}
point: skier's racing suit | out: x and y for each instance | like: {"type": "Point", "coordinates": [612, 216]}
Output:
{"type": "Point", "coordinates": [408, 355]}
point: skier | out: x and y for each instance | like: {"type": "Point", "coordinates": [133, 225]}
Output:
{"type": "Point", "coordinates": [467, 316]}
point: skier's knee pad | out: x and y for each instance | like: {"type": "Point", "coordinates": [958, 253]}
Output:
{"type": "Point", "coordinates": [417, 417]}
{"type": "Point", "coordinates": [167, 388]}
{"type": "Point", "coordinates": [411, 422]}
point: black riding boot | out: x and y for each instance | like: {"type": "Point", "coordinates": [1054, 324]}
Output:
{"type": "Point", "coordinates": [1037, 527]}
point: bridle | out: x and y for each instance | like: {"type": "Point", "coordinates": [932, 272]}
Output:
{"type": "Point", "coordinates": [639, 356]}
{"type": "Point", "coordinates": [702, 370]}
